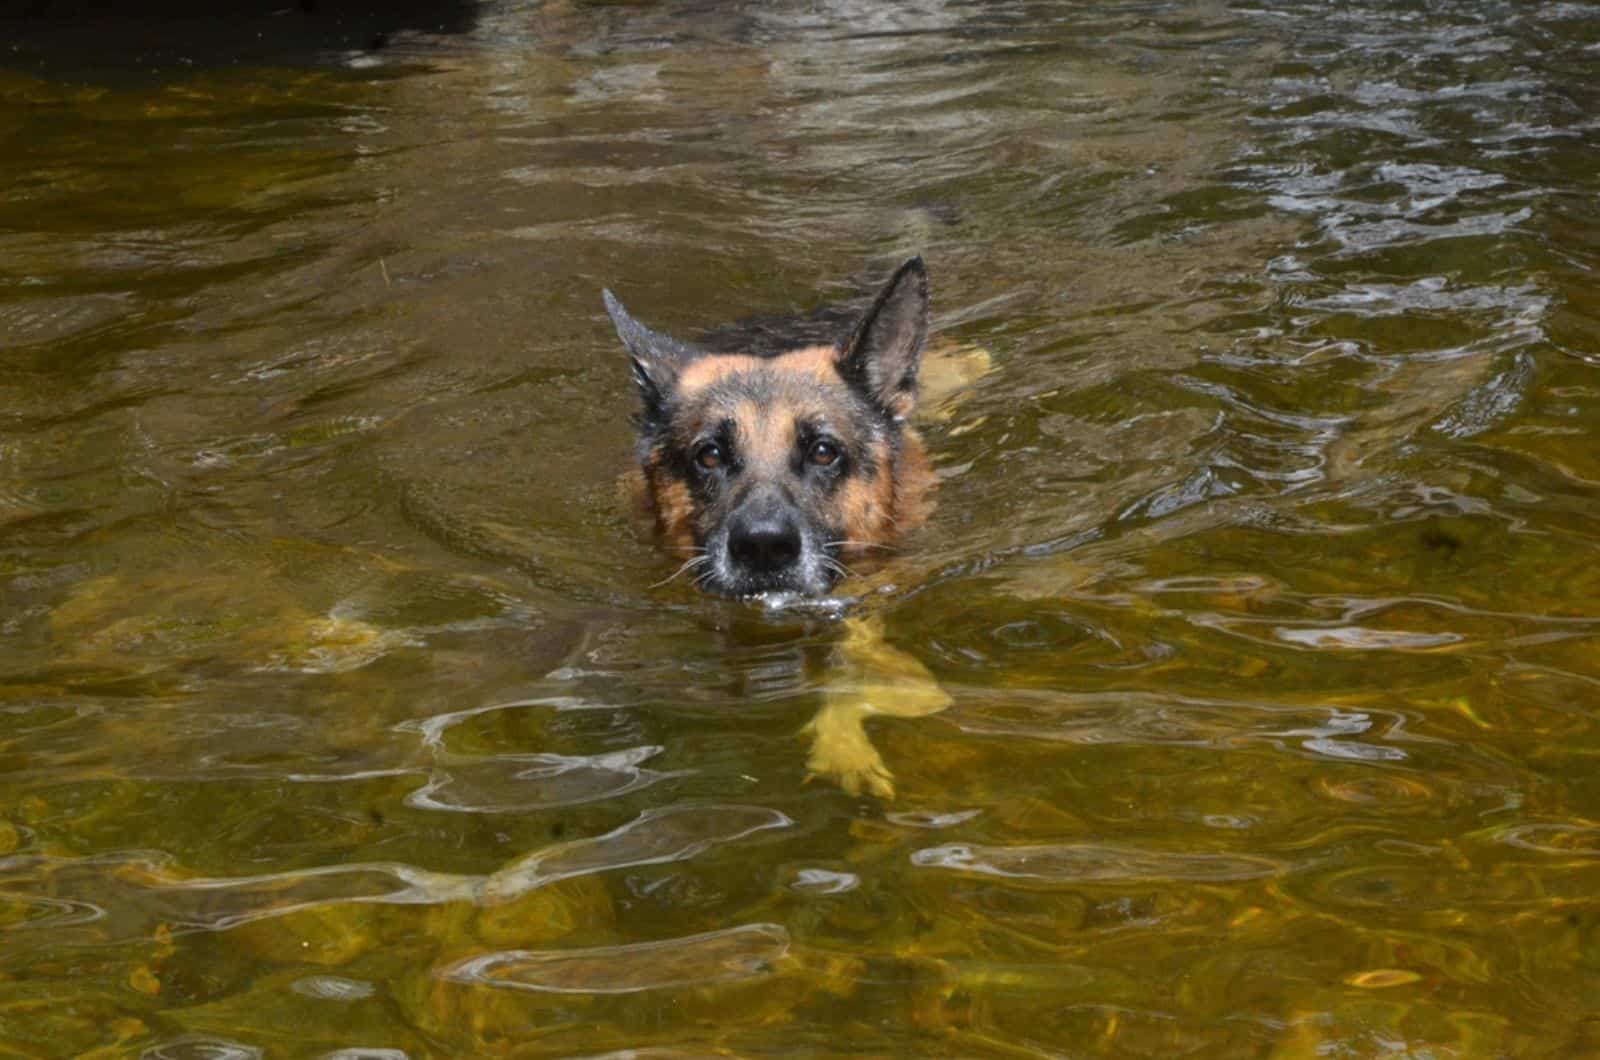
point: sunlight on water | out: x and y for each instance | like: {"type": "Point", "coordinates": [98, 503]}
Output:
{"type": "Point", "coordinates": [1239, 698]}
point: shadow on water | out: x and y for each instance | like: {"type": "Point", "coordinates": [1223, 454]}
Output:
{"type": "Point", "coordinates": [102, 41]}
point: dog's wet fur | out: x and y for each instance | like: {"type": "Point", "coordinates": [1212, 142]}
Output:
{"type": "Point", "coordinates": [770, 462]}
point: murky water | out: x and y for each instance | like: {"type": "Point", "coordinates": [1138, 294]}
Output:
{"type": "Point", "coordinates": [1241, 698]}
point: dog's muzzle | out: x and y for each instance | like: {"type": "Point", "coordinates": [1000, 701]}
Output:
{"type": "Point", "coordinates": [767, 547]}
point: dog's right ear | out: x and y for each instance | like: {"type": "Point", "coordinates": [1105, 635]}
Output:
{"type": "Point", "coordinates": [657, 358]}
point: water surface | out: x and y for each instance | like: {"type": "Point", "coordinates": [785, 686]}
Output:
{"type": "Point", "coordinates": [344, 716]}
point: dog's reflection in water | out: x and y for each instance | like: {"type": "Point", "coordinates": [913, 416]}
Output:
{"type": "Point", "coordinates": [867, 676]}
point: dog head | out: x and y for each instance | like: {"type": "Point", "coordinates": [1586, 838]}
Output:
{"type": "Point", "coordinates": [766, 470]}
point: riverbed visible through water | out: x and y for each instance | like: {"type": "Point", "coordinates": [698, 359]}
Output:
{"type": "Point", "coordinates": [343, 713]}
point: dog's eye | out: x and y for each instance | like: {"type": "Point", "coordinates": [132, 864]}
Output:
{"type": "Point", "coordinates": [709, 456]}
{"type": "Point", "coordinates": [823, 453]}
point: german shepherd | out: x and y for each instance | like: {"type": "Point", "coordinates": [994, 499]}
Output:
{"type": "Point", "coordinates": [769, 465]}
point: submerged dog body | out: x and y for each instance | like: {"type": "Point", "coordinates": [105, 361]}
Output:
{"type": "Point", "coordinates": [769, 468]}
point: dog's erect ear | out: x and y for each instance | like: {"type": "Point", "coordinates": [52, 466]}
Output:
{"type": "Point", "coordinates": [884, 351]}
{"type": "Point", "coordinates": [657, 358]}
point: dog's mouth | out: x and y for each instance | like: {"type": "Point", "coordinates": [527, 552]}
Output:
{"type": "Point", "coordinates": [810, 572]}
{"type": "Point", "coordinates": [745, 586]}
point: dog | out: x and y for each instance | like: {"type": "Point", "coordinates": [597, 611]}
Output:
{"type": "Point", "coordinates": [771, 464]}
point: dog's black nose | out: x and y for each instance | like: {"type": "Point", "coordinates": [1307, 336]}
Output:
{"type": "Point", "coordinates": [764, 544]}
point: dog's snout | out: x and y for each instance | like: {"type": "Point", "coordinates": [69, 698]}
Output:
{"type": "Point", "coordinates": [765, 543]}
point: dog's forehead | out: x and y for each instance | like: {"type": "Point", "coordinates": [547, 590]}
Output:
{"type": "Point", "coordinates": [772, 392]}
{"type": "Point", "coordinates": [816, 364]}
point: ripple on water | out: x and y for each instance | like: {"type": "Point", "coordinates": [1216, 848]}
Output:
{"type": "Point", "coordinates": [745, 952]}
{"type": "Point", "coordinates": [521, 783]}
{"type": "Point", "coordinates": [1362, 638]}
{"type": "Point", "coordinates": [1564, 839]}
{"type": "Point", "coordinates": [199, 1047]}
{"type": "Point", "coordinates": [823, 881]}
{"type": "Point", "coordinates": [1152, 719]}
{"type": "Point", "coordinates": [1391, 791]}
{"type": "Point", "coordinates": [931, 818]}
{"type": "Point", "coordinates": [656, 836]}
{"type": "Point", "coordinates": [1457, 879]}
{"type": "Point", "coordinates": [40, 321]}
{"type": "Point", "coordinates": [1089, 862]}
{"type": "Point", "coordinates": [333, 988]}
{"type": "Point", "coordinates": [128, 896]}
{"type": "Point", "coordinates": [1416, 887]}
{"type": "Point", "coordinates": [466, 782]}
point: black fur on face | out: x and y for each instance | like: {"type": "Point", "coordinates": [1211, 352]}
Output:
{"type": "Point", "coordinates": [768, 468]}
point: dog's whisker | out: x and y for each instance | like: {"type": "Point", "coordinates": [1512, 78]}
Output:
{"type": "Point", "coordinates": [688, 564]}
{"type": "Point", "coordinates": [832, 563]}
{"type": "Point", "coordinates": [846, 543]}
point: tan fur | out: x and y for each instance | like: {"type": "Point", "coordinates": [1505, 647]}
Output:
{"type": "Point", "coordinates": [767, 433]}
{"type": "Point", "coordinates": [817, 361]}
{"type": "Point", "coordinates": [866, 506]}
{"type": "Point", "coordinates": [914, 481]}
{"type": "Point", "coordinates": [894, 501]}
{"type": "Point", "coordinates": [674, 508]}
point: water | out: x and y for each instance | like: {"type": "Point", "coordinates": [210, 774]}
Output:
{"type": "Point", "coordinates": [342, 718]}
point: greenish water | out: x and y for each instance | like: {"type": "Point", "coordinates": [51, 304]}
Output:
{"type": "Point", "coordinates": [339, 715]}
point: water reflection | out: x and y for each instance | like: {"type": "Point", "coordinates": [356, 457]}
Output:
{"type": "Point", "coordinates": [117, 898]}
{"type": "Point", "coordinates": [1068, 863]}
{"type": "Point", "coordinates": [699, 960]}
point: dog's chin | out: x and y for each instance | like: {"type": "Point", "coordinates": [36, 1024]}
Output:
{"type": "Point", "coordinates": [740, 585]}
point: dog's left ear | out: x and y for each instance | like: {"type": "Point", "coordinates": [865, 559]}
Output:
{"type": "Point", "coordinates": [657, 358]}
{"type": "Point", "coordinates": [885, 350]}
